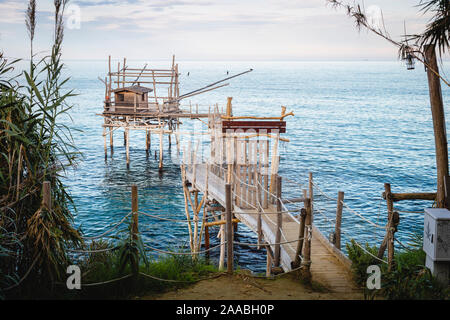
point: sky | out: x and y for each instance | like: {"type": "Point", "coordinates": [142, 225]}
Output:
{"type": "Point", "coordinates": [235, 30]}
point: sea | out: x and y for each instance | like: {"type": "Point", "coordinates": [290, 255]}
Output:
{"type": "Point", "coordinates": [357, 125]}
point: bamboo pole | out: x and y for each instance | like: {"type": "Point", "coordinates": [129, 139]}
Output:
{"type": "Point", "coordinates": [186, 205]}
{"type": "Point", "coordinates": [222, 246]}
{"type": "Point", "coordinates": [229, 225]}
{"type": "Point", "coordinates": [337, 230]}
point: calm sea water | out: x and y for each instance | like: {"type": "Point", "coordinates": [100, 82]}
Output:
{"type": "Point", "coordinates": [357, 125]}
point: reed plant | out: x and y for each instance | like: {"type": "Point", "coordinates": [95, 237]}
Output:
{"type": "Point", "coordinates": [35, 147]}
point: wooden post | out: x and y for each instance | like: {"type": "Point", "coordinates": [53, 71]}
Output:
{"type": "Point", "coordinates": [279, 223]}
{"type": "Point", "coordinates": [147, 142]}
{"type": "Point", "coordinates": [269, 261]}
{"type": "Point", "coordinates": [301, 235]}
{"type": "Point", "coordinates": [161, 149]}
{"type": "Point", "coordinates": [337, 230]}
{"type": "Point", "coordinates": [229, 107]}
{"type": "Point", "coordinates": [104, 145]}
{"type": "Point", "coordinates": [135, 228]}
{"type": "Point", "coordinates": [447, 191]}
{"type": "Point", "coordinates": [311, 194]}
{"type": "Point", "coordinates": [390, 209]}
{"type": "Point", "coordinates": [222, 245]}
{"type": "Point", "coordinates": [259, 222]}
{"type": "Point", "coordinates": [438, 115]}
{"type": "Point", "coordinates": [47, 195]}
{"type": "Point", "coordinates": [111, 140]}
{"type": "Point", "coordinates": [229, 228]}
{"type": "Point", "coordinates": [306, 263]}
{"type": "Point", "coordinates": [127, 145]}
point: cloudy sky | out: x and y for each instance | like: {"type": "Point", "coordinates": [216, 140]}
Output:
{"type": "Point", "coordinates": [209, 29]}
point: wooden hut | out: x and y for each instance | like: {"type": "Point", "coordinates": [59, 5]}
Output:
{"type": "Point", "coordinates": [133, 99]}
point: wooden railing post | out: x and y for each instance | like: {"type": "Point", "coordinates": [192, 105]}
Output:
{"type": "Point", "coordinates": [337, 230]}
{"type": "Point", "coordinates": [306, 263]}
{"type": "Point", "coordinates": [301, 235]}
{"type": "Point", "coordinates": [229, 230]}
{"type": "Point", "coordinates": [279, 223]}
{"type": "Point", "coordinates": [135, 227]}
{"type": "Point", "coordinates": [258, 209]}
{"type": "Point", "coordinates": [311, 193]}
{"type": "Point", "coordinates": [390, 209]}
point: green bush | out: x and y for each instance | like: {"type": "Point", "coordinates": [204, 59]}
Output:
{"type": "Point", "coordinates": [409, 279]}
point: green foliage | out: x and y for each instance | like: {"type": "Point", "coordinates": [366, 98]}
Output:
{"type": "Point", "coordinates": [409, 279]}
{"type": "Point", "coordinates": [361, 260]}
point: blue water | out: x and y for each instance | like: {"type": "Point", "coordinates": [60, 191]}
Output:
{"type": "Point", "coordinates": [357, 125]}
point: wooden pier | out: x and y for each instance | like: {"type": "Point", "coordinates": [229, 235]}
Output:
{"type": "Point", "coordinates": [148, 99]}
{"type": "Point", "coordinates": [239, 183]}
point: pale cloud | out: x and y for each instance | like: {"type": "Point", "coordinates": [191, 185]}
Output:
{"type": "Point", "coordinates": [218, 29]}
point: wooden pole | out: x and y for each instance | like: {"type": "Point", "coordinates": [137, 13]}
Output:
{"type": "Point", "coordinates": [311, 194]}
{"type": "Point", "coordinates": [438, 115]}
{"type": "Point", "coordinates": [104, 144]}
{"type": "Point", "coordinates": [47, 195]}
{"type": "Point", "coordinates": [124, 67]}
{"type": "Point", "coordinates": [229, 226]}
{"type": "Point", "coordinates": [111, 140]}
{"type": "Point", "coordinates": [161, 149]}
{"type": "Point", "coordinates": [222, 246]}
{"type": "Point", "coordinates": [269, 261]}
{"type": "Point", "coordinates": [229, 107]}
{"type": "Point", "coordinates": [259, 222]}
{"type": "Point", "coordinates": [306, 263]}
{"type": "Point", "coordinates": [390, 209]}
{"type": "Point", "coordinates": [135, 228]}
{"type": "Point", "coordinates": [337, 230]}
{"type": "Point", "coordinates": [279, 223]}
{"type": "Point", "coordinates": [301, 235]}
{"type": "Point", "coordinates": [127, 146]}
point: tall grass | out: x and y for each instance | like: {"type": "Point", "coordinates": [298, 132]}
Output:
{"type": "Point", "coordinates": [35, 147]}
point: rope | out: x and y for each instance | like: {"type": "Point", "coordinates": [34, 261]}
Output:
{"type": "Point", "coordinates": [183, 253]}
{"type": "Point", "coordinates": [106, 282]}
{"type": "Point", "coordinates": [108, 231]}
{"type": "Point", "coordinates": [93, 251]}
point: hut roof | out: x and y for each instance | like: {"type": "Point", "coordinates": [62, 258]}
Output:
{"type": "Point", "coordinates": [135, 89]}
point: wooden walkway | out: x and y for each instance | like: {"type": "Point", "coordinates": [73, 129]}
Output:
{"type": "Point", "coordinates": [328, 265]}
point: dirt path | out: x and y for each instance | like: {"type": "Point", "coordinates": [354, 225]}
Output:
{"type": "Point", "coordinates": [243, 287]}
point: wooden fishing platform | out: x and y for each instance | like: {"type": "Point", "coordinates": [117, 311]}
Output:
{"type": "Point", "coordinates": [148, 99]}
{"type": "Point", "coordinates": [240, 154]}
